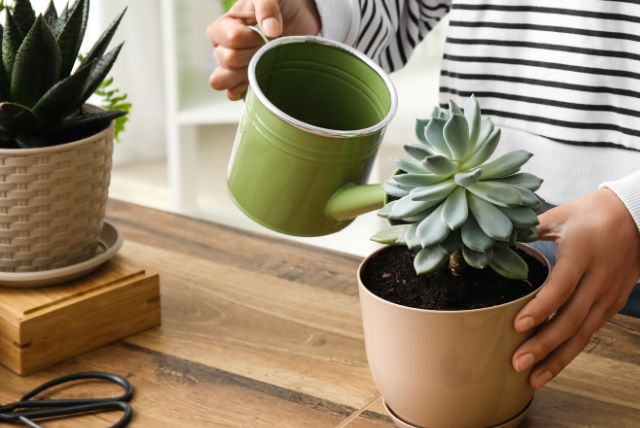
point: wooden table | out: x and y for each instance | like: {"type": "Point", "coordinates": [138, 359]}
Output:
{"type": "Point", "coordinates": [259, 332]}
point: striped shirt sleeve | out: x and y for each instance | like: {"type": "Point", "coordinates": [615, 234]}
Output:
{"type": "Point", "coordinates": [385, 30]}
{"type": "Point", "coordinates": [628, 190]}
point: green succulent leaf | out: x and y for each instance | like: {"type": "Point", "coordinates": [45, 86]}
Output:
{"type": "Point", "coordinates": [391, 188]}
{"type": "Point", "coordinates": [12, 38]}
{"type": "Point", "coordinates": [452, 243]}
{"type": "Point", "coordinates": [435, 138]}
{"type": "Point", "coordinates": [100, 71]}
{"type": "Point", "coordinates": [410, 237]}
{"type": "Point", "coordinates": [473, 236]}
{"type": "Point", "coordinates": [465, 179]}
{"type": "Point", "coordinates": [64, 97]}
{"type": "Point", "coordinates": [405, 207]}
{"type": "Point", "coordinates": [410, 166]}
{"type": "Point", "coordinates": [505, 165]}
{"type": "Point", "coordinates": [484, 150]}
{"type": "Point", "coordinates": [440, 113]}
{"type": "Point", "coordinates": [473, 115]}
{"type": "Point", "coordinates": [490, 219]}
{"type": "Point", "coordinates": [100, 47]}
{"type": "Point", "coordinates": [24, 15]}
{"type": "Point", "coordinates": [521, 217]}
{"type": "Point", "coordinates": [415, 180]}
{"type": "Point", "coordinates": [417, 152]}
{"type": "Point", "coordinates": [529, 198]}
{"type": "Point", "coordinates": [421, 125]}
{"type": "Point", "coordinates": [432, 230]}
{"type": "Point", "coordinates": [51, 14]}
{"type": "Point", "coordinates": [436, 192]}
{"type": "Point", "coordinates": [84, 124]}
{"type": "Point", "coordinates": [71, 35]}
{"type": "Point", "coordinates": [438, 164]}
{"type": "Point", "coordinates": [528, 235]}
{"type": "Point", "coordinates": [385, 211]}
{"type": "Point", "coordinates": [18, 119]}
{"type": "Point", "coordinates": [523, 179]}
{"type": "Point", "coordinates": [5, 91]}
{"type": "Point", "coordinates": [390, 235]}
{"type": "Point", "coordinates": [476, 259]}
{"type": "Point", "coordinates": [509, 264]}
{"type": "Point", "coordinates": [453, 108]}
{"type": "Point", "coordinates": [496, 193]}
{"type": "Point", "coordinates": [456, 135]}
{"type": "Point", "coordinates": [455, 210]}
{"type": "Point", "coordinates": [37, 65]}
{"type": "Point", "coordinates": [429, 259]}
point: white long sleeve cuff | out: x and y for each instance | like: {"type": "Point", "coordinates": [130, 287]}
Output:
{"type": "Point", "coordinates": [628, 190]}
{"type": "Point", "coordinates": [340, 20]}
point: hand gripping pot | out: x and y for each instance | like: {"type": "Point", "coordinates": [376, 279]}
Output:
{"type": "Point", "coordinates": [314, 117]}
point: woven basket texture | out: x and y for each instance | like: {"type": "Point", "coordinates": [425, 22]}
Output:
{"type": "Point", "coordinates": [53, 202]}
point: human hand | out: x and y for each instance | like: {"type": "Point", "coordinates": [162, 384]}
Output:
{"type": "Point", "coordinates": [598, 263]}
{"type": "Point", "coordinates": [234, 44]}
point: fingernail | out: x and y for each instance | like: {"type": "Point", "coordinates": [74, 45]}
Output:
{"type": "Point", "coordinates": [271, 27]}
{"type": "Point", "coordinates": [525, 323]}
{"type": "Point", "coordinates": [524, 362]}
{"type": "Point", "coordinates": [543, 378]}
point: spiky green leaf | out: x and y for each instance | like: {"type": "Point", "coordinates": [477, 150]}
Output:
{"type": "Point", "coordinates": [85, 124]}
{"type": "Point", "coordinates": [509, 264]}
{"type": "Point", "coordinates": [100, 71]}
{"type": "Point", "coordinates": [37, 65]}
{"type": "Point", "coordinates": [506, 165]}
{"type": "Point", "coordinates": [18, 119]}
{"type": "Point", "coordinates": [5, 91]}
{"type": "Point", "coordinates": [100, 47]}
{"type": "Point", "coordinates": [432, 230]}
{"type": "Point", "coordinates": [71, 34]}
{"type": "Point", "coordinates": [24, 15]}
{"type": "Point", "coordinates": [455, 210]}
{"type": "Point", "coordinates": [51, 14]}
{"type": "Point", "coordinates": [456, 135]}
{"type": "Point", "coordinates": [11, 40]}
{"type": "Point", "coordinates": [490, 219]}
{"type": "Point", "coordinates": [429, 259]}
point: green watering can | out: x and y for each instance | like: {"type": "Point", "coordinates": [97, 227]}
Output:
{"type": "Point", "coordinates": [315, 114]}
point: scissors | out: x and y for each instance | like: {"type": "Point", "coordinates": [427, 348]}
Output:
{"type": "Point", "coordinates": [29, 408]}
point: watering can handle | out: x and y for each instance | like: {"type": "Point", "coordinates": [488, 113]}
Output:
{"type": "Point", "coordinates": [352, 200]}
{"type": "Point", "coordinates": [258, 31]}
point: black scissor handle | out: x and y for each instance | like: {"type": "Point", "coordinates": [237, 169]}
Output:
{"type": "Point", "coordinates": [109, 377]}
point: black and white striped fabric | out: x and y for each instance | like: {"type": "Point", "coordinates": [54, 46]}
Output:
{"type": "Point", "coordinates": [568, 71]}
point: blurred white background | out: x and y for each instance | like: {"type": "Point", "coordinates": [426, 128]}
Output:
{"type": "Point", "coordinates": [174, 153]}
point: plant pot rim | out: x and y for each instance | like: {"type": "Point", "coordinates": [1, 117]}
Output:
{"type": "Point", "coordinates": [530, 250]}
{"type": "Point", "coordinates": [98, 135]}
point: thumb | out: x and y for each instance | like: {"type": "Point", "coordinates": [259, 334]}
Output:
{"type": "Point", "coordinates": [269, 17]}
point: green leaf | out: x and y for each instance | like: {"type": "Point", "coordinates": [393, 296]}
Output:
{"type": "Point", "coordinates": [389, 235]}
{"type": "Point", "coordinates": [385, 211]}
{"type": "Point", "coordinates": [476, 259]}
{"type": "Point", "coordinates": [465, 179]}
{"type": "Point", "coordinates": [63, 98]}
{"type": "Point", "coordinates": [484, 150]}
{"type": "Point", "coordinates": [51, 14]}
{"type": "Point", "coordinates": [100, 71]}
{"type": "Point", "coordinates": [527, 235]}
{"type": "Point", "coordinates": [24, 15]}
{"type": "Point", "coordinates": [529, 198]}
{"type": "Point", "coordinates": [405, 207]}
{"type": "Point", "coordinates": [70, 36]}
{"type": "Point", "coordinates": [85, 124]}
{"type": "Point", "coordinates": [421, 125]}
{"type": "Point", "coordinates": [456, 135]}
{"type": "Point", "coordinates": [453, 108]}
{"type": "Point", "coordinates": [410, 237]}
{"type": "Point", "coordinates": [435, 138]}
{"type": "Point", "coordinates": [100, 47]}
{"type": "Point", "coordinates": [438, 164]}
{"type": "Point", "coordinates": [473, 115]}
{"type": "Point", "coordinates": [413, 180]}
{"type": "Point", "coordinates": [435, 192]}
{"type": "Point", "coordinates": [5, 92]}
{"type": "Point", "coordinates": [523, 179]}
{"type": "Point", "coordinates": [521, 217]}
{"type": "Point", "coordinates": [455, 210]}
{"type": "Point", "coordinates": [417, 152]}
{"type": "Point", "coordinates": [496, 193]}
{"type": "Point", "coordinates": [432, 230]}
{"type": "Point", "coordinates": [11, 40]}
{"type": "Point", "coordinates": [429, 259]}
{"type": "Point", "coordinates": [37, 65]}
{"type": "Point", "coordinates": [474, 238]}
{"type": "Point", "coordinates": [18, 119]}
{"type": "Point", "coordinates": [490, 219]}
{"type": "Point", "coordinates": [391, 188]}
{"type": "Point", "coordinates": [505, 165]}
{"type": "Point", "coordinates": [410, 166]}
{"type": "Point", "coordinates": [509, 264]}
{"type": "Point", "coordinates": [452, 243]}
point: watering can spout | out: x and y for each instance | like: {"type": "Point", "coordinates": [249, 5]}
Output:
{"type": "Point", "coordinates": [352, 200]}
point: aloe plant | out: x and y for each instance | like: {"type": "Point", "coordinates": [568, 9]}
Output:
{"type": "Point", "coordinates": [42, 91]}
{"type": "Point", "coordinates": [451, 203]}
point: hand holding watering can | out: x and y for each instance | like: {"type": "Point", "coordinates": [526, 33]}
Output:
{"type": "Point", "coordinates": [315, 114]}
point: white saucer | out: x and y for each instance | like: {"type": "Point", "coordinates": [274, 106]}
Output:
{"type": "Point", "coordinates": [110, 241]}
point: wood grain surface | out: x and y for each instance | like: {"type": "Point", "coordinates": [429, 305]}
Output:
{"type": "Point", "coordinates": [259, 332]}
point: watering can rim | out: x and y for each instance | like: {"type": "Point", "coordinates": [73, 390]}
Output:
{"type": "Point", "coordinates": [325, 132]}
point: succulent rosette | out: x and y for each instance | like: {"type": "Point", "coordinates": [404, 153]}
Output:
{"type": "Point", "coordinates": [450, 201]}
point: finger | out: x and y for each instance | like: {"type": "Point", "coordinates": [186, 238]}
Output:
{"type": "Point", "coordinates": [269, 17]}
{"type": "Point", "coordinates": [549, 226]}
{"type": "Point", "coordinates": [237, 93]}
{"type": "Point", "coordinates": [223, 78]}
{"type": "Point", "coordinates": [232, 33]}
{"type": "Point", "coordinates": [562, 281]}
{"type": "Point", "coordinates": [233, 59]}
{"type": "Point", "coordinates": [562, 356]}
{"type": "Point", "coordinates": [563, 326]}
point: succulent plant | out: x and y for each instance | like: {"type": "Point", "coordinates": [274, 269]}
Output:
{"type": "Point", "coordinates": [451, 203]}
{"type": "Point", "coordinates": [41, 96]}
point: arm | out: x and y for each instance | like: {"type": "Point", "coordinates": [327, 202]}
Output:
{"type": "Point", "coordinates": [386, 31]}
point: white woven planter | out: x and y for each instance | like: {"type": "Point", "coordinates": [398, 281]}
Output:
{"type": "Point", "coordinates": [52, 202]}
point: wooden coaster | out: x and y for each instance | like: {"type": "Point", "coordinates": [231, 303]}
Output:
{"type": "Point", "coordinates": [43, 326]}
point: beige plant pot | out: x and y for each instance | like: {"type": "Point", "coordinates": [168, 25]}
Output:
{"type": "Point", "coordinates": [446, 369]}
{"type": "Point", "coordinates": [52, 202]}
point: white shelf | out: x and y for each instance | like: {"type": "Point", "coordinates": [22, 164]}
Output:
{"type": "Point", "coordinates": [217, 111]}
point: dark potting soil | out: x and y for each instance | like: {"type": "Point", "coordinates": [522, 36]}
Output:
{"type": "Point", "coordinates": [390, 275]}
